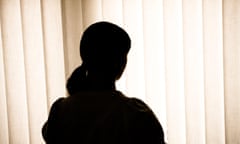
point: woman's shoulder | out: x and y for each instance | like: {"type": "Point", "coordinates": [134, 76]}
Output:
{"type": "Point", "coordinates": [56, 105]}
{"type": "Point", "coordinates": [134, 103]}
{"type": "Point", "coordinates": [143, 118]}
{"type": "Point", "coordinates": [57, 102]}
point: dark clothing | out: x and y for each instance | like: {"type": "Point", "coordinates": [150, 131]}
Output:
{"type": "Point", "coordinates": [102, 118]}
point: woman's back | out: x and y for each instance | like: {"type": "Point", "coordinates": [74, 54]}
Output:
{"type": "Point", "coordinates": [102, 118]}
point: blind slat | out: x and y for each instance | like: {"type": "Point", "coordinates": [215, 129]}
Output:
{"type": "Point", "coordinates": [213, 65]}
{"type": "Point", "coordinates": [53, 49]}
{"type": "Point", "coordinates": [35, 67]}
{"type": "Point", "coordinates": [193, 71]}
{"type": "Point", "coordinates": [3, 102]}
{"type": "Point", "coordinates": [173, 42]}
{"type": "Point", "coordinates": [13, 52]}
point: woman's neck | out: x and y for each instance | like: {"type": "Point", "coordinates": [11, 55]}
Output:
{"type": "Point", "coordinates": [96, 82]}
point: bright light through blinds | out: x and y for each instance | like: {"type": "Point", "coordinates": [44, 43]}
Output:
{"type": "Point", "coordinates": [184, 63]}
{"type": "Point", "coordinates": [15, 84]}
{"type": "Point", "coordinates": [174, 71]}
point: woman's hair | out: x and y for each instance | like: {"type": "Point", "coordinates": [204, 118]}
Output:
{"type": "Point", "coordinates": [103, 47]}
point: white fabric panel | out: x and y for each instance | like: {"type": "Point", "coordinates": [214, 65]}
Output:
{"type": "Point", "coordinates": [132, 14]}
{"type": "Point", "coordinates": [154, 63]}
{"type": "Point", "coordinates": [193, 71]}
{"type": "Point", "coordinates": [12, 45]}
{"type": "Point", "coordinates": [35, 67]}
{"type": "Point", "coordinates": [175, 96]}
{"type": "Point", "coordinates": [3, 101]}
{"type": "Point", "coordinates": [112, 10]}
{"type": "Point", "coordinates": [231, 44]}
{"type": "Point", "coordinates": [213, 71]}
{"type": "Point", "coordinates": [72, 30]}
{"type": "Point", "coordinates": [53, 48]}
{"type": "Point", "coordinates": [92, 11]}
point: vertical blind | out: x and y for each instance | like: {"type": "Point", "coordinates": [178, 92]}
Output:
{"type": "Point", "coordinates": [184, 63]}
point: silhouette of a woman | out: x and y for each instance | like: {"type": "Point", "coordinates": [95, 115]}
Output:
{"type": "Point", "coordinates": [95, 112]}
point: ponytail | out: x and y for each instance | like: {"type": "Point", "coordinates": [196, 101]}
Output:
{"type": "Point", "coordinates": [77, 81]}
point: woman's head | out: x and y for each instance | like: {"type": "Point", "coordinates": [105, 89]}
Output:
{"type": "Point", "coordinates": [104, 47]}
